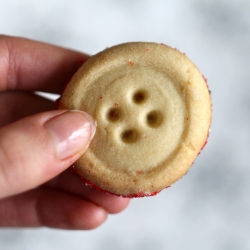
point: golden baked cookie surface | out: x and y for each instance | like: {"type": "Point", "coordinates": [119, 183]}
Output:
{"type": "Point", "coordinates": [153, 112]}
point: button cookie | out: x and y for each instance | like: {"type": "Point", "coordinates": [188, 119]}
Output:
{"type": "Point", "coordinates": [153, 111]}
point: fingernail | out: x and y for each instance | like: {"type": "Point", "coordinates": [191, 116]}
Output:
{"type": "Point", "coordinates": [72, 132]}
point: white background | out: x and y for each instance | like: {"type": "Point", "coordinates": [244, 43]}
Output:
{"type": "Point", "coordinates": [209, 207]}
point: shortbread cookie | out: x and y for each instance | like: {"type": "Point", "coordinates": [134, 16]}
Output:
{"type": "Point", "coordinates": [153, 111]}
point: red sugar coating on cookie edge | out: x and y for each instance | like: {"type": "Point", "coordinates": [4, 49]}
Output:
{"type": "Point", "coordinates": [91, 184]}
{"type": "Point", "coordinates": [137, 195]}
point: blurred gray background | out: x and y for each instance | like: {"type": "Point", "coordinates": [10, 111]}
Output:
{"type": "Point", "coordinates": [209, 207]}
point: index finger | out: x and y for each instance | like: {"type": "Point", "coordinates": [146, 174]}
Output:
{"type": "Point", "coordinates": [35, 66]}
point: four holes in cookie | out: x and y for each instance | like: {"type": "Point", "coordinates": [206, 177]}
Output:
{"type": "Point", "coordinates": [153, 118]}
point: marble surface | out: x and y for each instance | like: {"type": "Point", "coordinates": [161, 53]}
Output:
{"type": "Point", "coordinates": [209, 208]}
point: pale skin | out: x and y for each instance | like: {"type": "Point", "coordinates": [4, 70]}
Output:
{"type": "Point", "coordinates": [36, 186]}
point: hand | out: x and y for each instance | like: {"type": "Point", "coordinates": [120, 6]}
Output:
{"type": "Point", "coordinates": [37, 144]}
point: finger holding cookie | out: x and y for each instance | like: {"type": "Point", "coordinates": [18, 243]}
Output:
{"type": "Point", "coordinates": [38, 143]}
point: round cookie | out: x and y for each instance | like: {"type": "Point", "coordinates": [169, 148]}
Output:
{"type": "Point", "coordinates": [153, 112]}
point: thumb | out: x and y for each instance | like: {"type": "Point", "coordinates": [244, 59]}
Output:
{"type": "Point", "coordinates": [37, 148]}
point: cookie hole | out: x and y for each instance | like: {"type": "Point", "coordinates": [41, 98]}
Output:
{"type": "Point", "coordinates": [114, 114]}
{"type": "Point", "coordinates": [129, 136]}
{"type": "Point", "coordinates": [154, 118]}
{"type": "Point", "coordinates": [140, 96]}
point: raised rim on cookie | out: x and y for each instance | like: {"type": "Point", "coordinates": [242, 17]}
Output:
{"type": "Point", "coordinates": [153, 111]}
